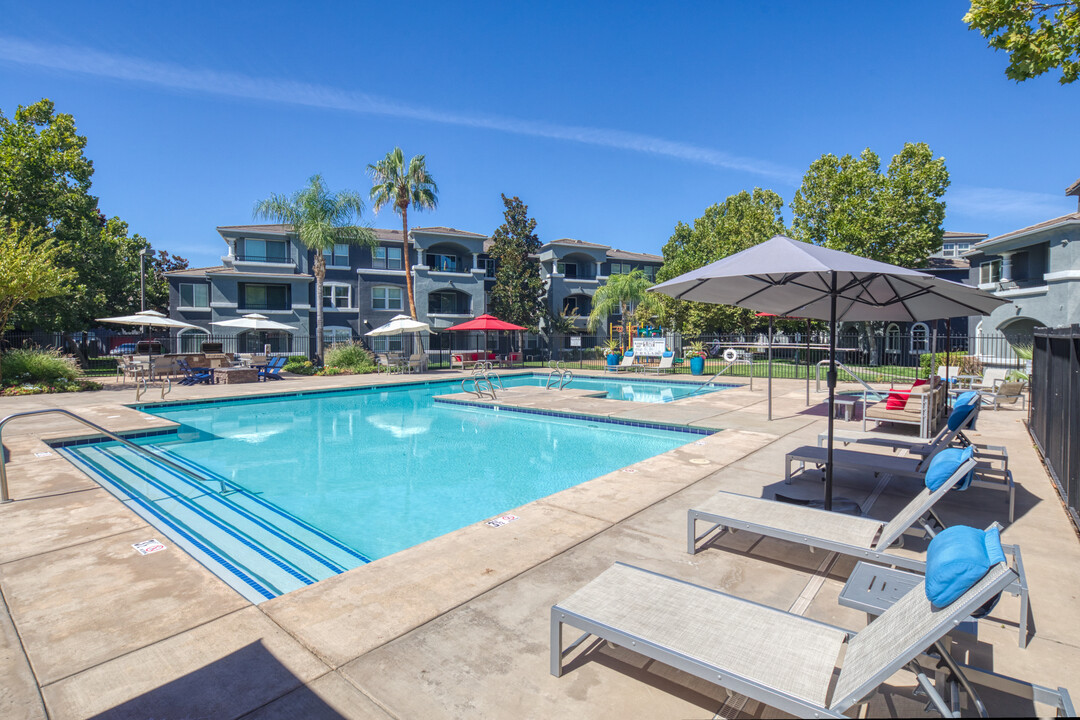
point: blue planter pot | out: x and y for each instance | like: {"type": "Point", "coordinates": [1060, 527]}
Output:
{"type": "Point", "coordinates": [612, 359]}
{"type": "Point", "coordinates": [697, 365]}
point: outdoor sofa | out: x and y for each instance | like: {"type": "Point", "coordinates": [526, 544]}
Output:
{"type": "Point", "coordinates": [921, 406]}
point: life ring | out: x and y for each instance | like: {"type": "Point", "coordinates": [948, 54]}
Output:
{"type": "Point", "coordinates": [730, 355]}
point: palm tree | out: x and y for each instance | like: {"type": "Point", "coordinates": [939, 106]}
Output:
{"type": "Point", "coordinates": [626, 294]}
{"type": "Point", "coordinates": [402, 188]}
{"type": "Point", "coordinates": [320, 219]}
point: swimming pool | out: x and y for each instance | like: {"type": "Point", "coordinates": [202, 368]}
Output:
{"type": "Point", "coordinates": [626, 387]}
{"type": "Point", "coordinates": [302, 486]}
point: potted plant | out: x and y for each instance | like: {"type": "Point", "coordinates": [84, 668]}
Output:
{"type": "Point", "coordinates": [695, 353]}
{"type": "Point", "coordinates": [614, 351]}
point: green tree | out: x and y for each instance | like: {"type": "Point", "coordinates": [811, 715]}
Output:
{"type": "Point", "coordinates": [28, 268]}
{"type": "Point", "coordinates": [1039, 36]}
{"type": "Point", "coordinates": [625, 295]}
{"type": "Point", "coordinates": [320, 219]}
{"type": "Point", "coordinates": [739, 222]}
{"type": "Point", "coordinates": [518, 294]}
{"type": "Point", "coordinates": [403, 187]}
{"type": "Point", "coordinates": [45, 181]}
{"type": "Point", "coordinates": [848, 204]}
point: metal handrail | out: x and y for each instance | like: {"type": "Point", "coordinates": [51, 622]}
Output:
{"type": "Point", "coordinates": [166, 387]}
{"type": "Point", "coordinates": [724, 369]}
{"type": "Point", "coordinates": [841, 366]}
{"type": "Point", "coordinates": [5, 498]}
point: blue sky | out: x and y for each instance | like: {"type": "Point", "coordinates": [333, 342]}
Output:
{"type": "Point", "coordinates": [613, 122]}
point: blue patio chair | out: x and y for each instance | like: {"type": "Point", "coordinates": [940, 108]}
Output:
{"type": "Point", "coordinates": [194, 376]}
{"type": "Point", "coordinates": [272, 371]}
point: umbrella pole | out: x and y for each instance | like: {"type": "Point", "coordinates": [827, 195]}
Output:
{"type": "Point", "coordinates": [832, 393]}
{"type": "Point", "coordinates": [770, 365]}
{"type": "Point", "coordinates": [948, 341]}
{"type": "Point", "coordinates": [807, 363]}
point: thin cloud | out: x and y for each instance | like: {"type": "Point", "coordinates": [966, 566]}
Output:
{"type": "Point", "coordinates": [169, 75]}
{"type": "Point", "coordinates": [1005, 204]}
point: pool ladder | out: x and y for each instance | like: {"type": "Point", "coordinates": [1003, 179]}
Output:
{"type": "Point", "coordinates": [485, 381]}
{"type": "Point", "coordinates": [731, 363]}
{"type": "Point", "coordinates": [6, 498]}
{"type": "Point", "coordinates": [562, 375]}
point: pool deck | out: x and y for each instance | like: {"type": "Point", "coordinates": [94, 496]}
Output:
{"type": "Point", "coordinates": [458, 626]}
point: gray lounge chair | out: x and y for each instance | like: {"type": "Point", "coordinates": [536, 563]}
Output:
{"type": "Point", "coordinates": [783, 660]}
{"type": "Point", "coordinates": [859, 537]}
{"type": "Point", "coordinates": [1006, 393]}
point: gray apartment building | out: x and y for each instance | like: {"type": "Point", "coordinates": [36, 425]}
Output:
{"type": "Point", "coordinates": [266, 269]}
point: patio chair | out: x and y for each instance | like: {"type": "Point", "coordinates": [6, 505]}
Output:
{"type": "Point", "coordinates": [193, 375]}
{"type": "Point", "coordinates": [272, 371]}
{"type": "Point", "coordinates": [1007, 393]}
{"type": "Point", "coordinates": [418, 362]}
{"type": "Point", "coordinates": [991, 378]}
{"type": "Point", "coordinates": [788, 661]}
{"type": "Point", "coordinates": [665, 364]}
{"type": "Point", "coordinates": [627, 363]}
{"type": "Point", "coordinates": [127, 367]}
{"type": "Point", "coordinates": [920, 406]}
{"type": "Point", "coordinates": [953, 372]}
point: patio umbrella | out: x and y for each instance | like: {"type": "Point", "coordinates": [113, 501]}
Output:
{"type": "Point", "coordinates": [254, 321]}
{"type": "Point", "coordinates": [150, 318]}
{"type": "Point", "coordinates": [485, 323]}
{"type": "Point", "coordinates": [788, 277]}
{"type": "Point", "coordinates": [400, 324]}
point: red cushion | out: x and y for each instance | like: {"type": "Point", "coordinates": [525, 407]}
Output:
{"type": "Point", "coordinates": [896, 401]}
{"type": "Point", "coordinates": [920, 381]}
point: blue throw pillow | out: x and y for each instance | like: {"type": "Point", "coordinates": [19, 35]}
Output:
{"type": "Point", "coordinates": [945, 463]}
{"type": "Point", "coordinates": [967, 398]}
{"type": "Point", "coordinates": [958, 558]}
{"type": "Point", "coordinates": [959, 415]}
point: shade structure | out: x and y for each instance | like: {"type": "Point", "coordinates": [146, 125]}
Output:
{"type": "Point", "coordinates": [254, 321]}
{"type": "Point", "coordinates": [486, 322]}
{"type": "Point", "coordinates": [787, 277]}
{"type": "Point", "coordinates": [398, 325]}
{"type": "Point", "coordinates": [150, 318]}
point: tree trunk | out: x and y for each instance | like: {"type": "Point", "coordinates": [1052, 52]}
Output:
{"type": "Point", "coordinates": [407, 260]}
{"type": "Point", "coordinates": [320, 275]}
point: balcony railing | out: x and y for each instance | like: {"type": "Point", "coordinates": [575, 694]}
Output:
{"type": "Point", "coordinates": [262, 306]}
{"type": "Point", "coordinates": [277, 259]}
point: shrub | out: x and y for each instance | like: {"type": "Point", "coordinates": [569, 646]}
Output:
{"type": "Point", "coordinates": [929, 362]}
{"type": "Point", "coordinates": [300, 366]}
{"type": "Point", "coordinates": [36, 365]}
{"type": "Point", "coordinates": [349, 356]}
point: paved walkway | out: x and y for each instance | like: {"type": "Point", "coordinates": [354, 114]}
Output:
{"type": "Point", "coordinates": [458, 626]}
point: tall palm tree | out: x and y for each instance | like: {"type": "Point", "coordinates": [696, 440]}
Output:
{"type": "Point", "coordinates": [625, 293]}
{"type": "Point", "coordinates": [403, 187]}
{"type": "Point", "coordinates": [320, 219]}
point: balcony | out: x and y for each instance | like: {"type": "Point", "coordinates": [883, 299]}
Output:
{"type": "Point", "coordinates": [265, 259]}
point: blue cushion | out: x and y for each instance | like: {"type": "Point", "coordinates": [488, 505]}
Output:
{"type": "Point", "coordinates": [959, 415]}
{"type": "Point", "coordinates": [967, 398]}
{"type": "Point", "coordinates": [668, 353]}
{"type": "Point", "coordinates": [945, 463]}
{"type": "Point", "coordinates": [958, 558]}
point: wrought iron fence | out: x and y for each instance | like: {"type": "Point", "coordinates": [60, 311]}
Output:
{"type": "Point", "coordinates": [1054, 412]}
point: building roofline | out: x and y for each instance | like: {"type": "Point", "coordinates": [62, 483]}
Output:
{"type": "Point", "coordinates": [1052, 224]}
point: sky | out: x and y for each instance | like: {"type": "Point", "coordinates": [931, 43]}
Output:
{"type": "Point", "coordinates": [611, 121]}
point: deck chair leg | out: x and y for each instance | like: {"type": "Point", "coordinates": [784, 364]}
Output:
{"type": "Point", "coordinates": [556, 643]}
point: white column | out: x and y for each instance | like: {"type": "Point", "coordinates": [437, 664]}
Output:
{"type": "Point", "coordinates": [1006, 266]}
{"type": "Point", "coordinates": [598, 266]}
{"type": "Point", "coordinates": [476, 261]}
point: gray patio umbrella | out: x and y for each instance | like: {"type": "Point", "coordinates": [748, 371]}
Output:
{"type": "Point", "coordinates": [788, 277]}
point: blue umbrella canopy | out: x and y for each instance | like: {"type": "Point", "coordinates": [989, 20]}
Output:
{"type": "Point", "coordinates": [789, 277]}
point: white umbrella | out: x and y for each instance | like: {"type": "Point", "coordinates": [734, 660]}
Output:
{"type": "Point", "coordinates": [253, 321]}
{"type": "Point", "coordinates": [150, 318]}
{"type": "Point", "coordinates": [792, 278]}
{"type": "Point", "coordinates": [398, 325]}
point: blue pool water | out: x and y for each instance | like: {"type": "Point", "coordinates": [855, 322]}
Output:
{"type": "Point", "coordinates": [302, 487]}
{"type": "Point", "coordinates": [627, 387]}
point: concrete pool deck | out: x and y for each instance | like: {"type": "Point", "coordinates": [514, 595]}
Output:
{"type": "Point", "coordinates": [458, 626]}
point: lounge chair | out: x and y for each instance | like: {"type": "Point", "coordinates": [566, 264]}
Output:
{"type": "Point", "coordinates": [783, 660]}
{"type": "Point", "coordinates": [952, 371]}
{"type": "Point", "coordinates": [418, 362]}
{"type": "Point", "coordinates": [1007, 393]}
{"type": "Point", "coordinates": [991, 378]}
{"type": "Point", "coordinates": [626, 364]}
{"type": "Point", "coordinates": [194, 375]}
{"type": "Point", "coordinates": [665, 364]}
{"type": "Point", "coordinates": [272, 371]}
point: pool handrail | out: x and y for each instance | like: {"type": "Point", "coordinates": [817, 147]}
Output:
{"type": "Point", "coordinates": [5, 497]}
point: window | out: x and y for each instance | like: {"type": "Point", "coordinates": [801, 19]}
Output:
{"type": "Point", "coordinates": [338, 256]}
{"type": "Point", "coordinates": [447, 303]}
{"type": "Point", "coordinates": [264, 251]}
{"type": "Point", "coordinates": [489, 267]}
{"type": "Point", "coordinates": [892, 338]}
{"type": "Point", "coordinates": [990, 272]}
{"type": "Point", "coordinates": [336, 296]}
{"type": "Point", "coordinates": [191, 340]}
{"type": "Point", "coordinates": [265, 297]}
{"type": "Point", "coordinates": [920, 338]}
{"type": "Point", "coordinates": [332, 335]}
{"type": "Point", "coordinates": [578, 303]}
{"type": "Point", "coordinates": [620, 268]}
{"type": "Point", "coordinates": [442, 263]}
{"type": "Point", "coordinates": [650, 272]}
{"type": "Point", "coordinates": [194, 295]}
{"type": "Point", "coordinates": [386, 343]}
{"type": "Point", "coordinates": [386, 298]}
{"type": "Point", "coordinates": [948, 250]}
{"type": "Point", "coordinates": [387, 257]}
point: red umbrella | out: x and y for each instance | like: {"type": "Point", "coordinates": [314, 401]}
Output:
{"type": "Point", "coordinates": [485, 323]}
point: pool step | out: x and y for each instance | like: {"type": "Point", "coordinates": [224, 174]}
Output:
{"type": "Point", "coordinates": [256, 547]}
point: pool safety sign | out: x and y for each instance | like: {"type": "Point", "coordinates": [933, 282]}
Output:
{"type": "Point", "coordinates": [500, 521]}
{"type": "Point", "coordinates": [148, 546]}
{"type": "Point", "coordinates": [650, 347]}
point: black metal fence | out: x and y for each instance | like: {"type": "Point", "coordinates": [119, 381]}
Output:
{"type": "Point", "coordinates": [1054, 414]}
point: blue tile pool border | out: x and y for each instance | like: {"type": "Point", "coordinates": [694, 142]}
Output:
{"type": "Point", "coordinates": [579, 416]}
{"type": "Point", "coordinates": [94, 439]}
